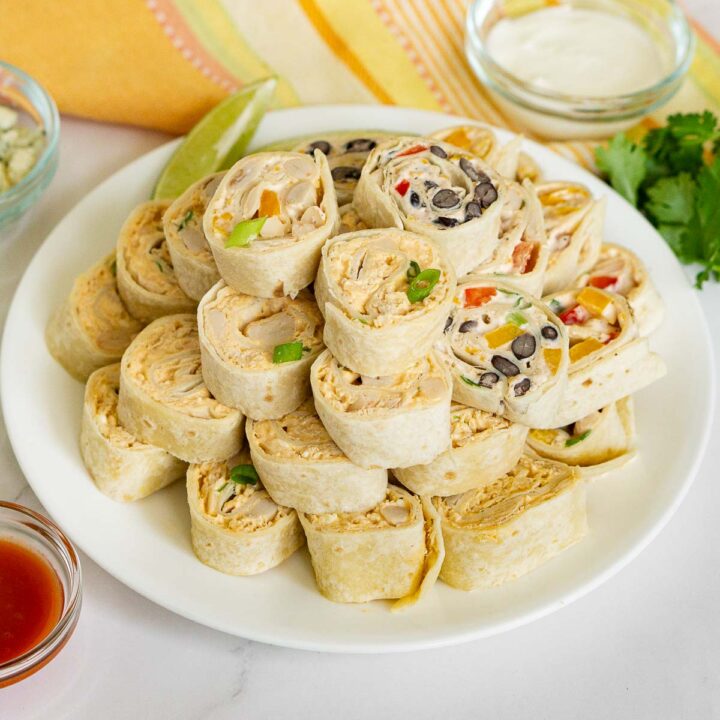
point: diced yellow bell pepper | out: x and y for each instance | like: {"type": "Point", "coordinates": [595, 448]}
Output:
{"type": "Point", "coordinates": [593, 300]}
{"type": "Point", "coordinates": [269, 204]}
{"type": "Point", "coordinates": [552, 358]}
{"type": "Point", "coordinates": [458, 138]}
{"type": "Point", "coordinates": [502, 335]}
{"type": "Point", "coordinates": [584, 348]}
{"type": "Point", "coordinates": [544, 436]}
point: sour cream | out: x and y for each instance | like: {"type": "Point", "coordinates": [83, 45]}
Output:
{"type": "Point", "coordinates": [578, 51]}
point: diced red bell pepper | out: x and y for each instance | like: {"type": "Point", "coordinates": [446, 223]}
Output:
{"type": "Point", "coordinates": [475, 297]}
{"type": "Point", "coordinates": [611, 337]}
{"type": "Point", "coordinates": [602, 281]}
{"type": "Point", "coordinates": [413, 150]}
{"type": "Point", "coordinates": [522, 256]}
{"type": "Point", "coordinates": [575, 316]}
{"type": "Point", "coordinates": [402, 187]}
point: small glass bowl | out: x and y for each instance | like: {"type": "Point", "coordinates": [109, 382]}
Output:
{"type": "Point", "coordinates": [37, 533]}
{"type": "Point", "coordinates": [24, 94]}
{"type": "Point", "coordinates": [556, 115]}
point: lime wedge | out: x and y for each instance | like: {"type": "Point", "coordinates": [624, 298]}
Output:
{"type": "Point", "coordinates": [217, 141]}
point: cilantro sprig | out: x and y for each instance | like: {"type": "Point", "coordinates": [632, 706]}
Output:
{"type": "Point", "coordinates": [673, 177]}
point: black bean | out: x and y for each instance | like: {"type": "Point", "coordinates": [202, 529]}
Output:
{"type": "Point", "coordinates": [488, 379]}
{"type": "Point", "coordinates": [485, 194]}
{"type": "Point", "coordinates": [505, 366]}
{"type": "Point", "coordinates": [437, 150]}
{"type": "Point", "coordinates": [448, 323]}
{"type": "Point", "coordinates": [467, 326]}
{"type": "Point", "coordinates": [322, 145]}
{"type": "Point", "coordinates": [469, 169]}
{"type": "Point", "coordinates": [360, 145]}
{"type": "Point", "coordinates": [549, 332]}
{"type": "Point", "coordinates": [415, 199]}
{"type": "Point", "coordinates": [523, 346]}
{"type": "Point", "coordinates": [445, 198]}
{"type": "Point", "coordinates": [446, 222]}
{"type": "Point", "coordinates": [429, 184]}
{"type": "Point", "coordinates": [473, 210]}
{"type": "Point", "coordinates": [345, 172]}
{"type": "Point", "coordinates": [522, 387]}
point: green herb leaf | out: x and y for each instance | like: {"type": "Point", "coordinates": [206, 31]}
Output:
{"type": "Point", "coordinates": [675, 185]}
{"type": "Point", "coordinates": [245, 232]}
{"type": "Point", "coordinates": [287, 352]}
{"type": "Point", "coordinates": [422, 285]}
{"type": "Point", "coordinates": [517, 318]}
{"type": "Point", "coordinates": [413, 271]}
{"type": "Point", "coordinates": [575, 440]}
{"type": "Point", "coordinates": [244, 475]}
{"type": "Point", "coordinates": [672, 200]}
{"type": "Point", "coordinates": [623, 162]}
{"type": "Point", "coordinates": [468, 381]}
{"type": "Point", "coordinates": [185, 220]}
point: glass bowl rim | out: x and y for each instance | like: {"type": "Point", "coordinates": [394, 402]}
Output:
{"type": "Point", "coordinates": [36, 656]}
{"type": "Point", "coordinates": [588, 103]}
{"type": "Point", "coordinates": [51, 117]}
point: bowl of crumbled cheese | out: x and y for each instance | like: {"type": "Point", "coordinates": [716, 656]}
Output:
{"type": "Point", "coordinates": [29, 131]}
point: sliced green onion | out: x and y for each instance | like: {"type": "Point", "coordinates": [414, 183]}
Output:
{"type": "Point", "coordinates": [555, 305]}
{"type": "Point", "coordinates": [422, 285]}
{"type": "Point", "coordinates": [287, 352]}
{"type": "Point", "coordinates": [575, 440]}
{"type": "Point", "coordinates": [517, 318]}
{"type": "Point", "coordinates": [244, 475]}
{"type": "Point", "coordinates": [506, 292]}
{"type": "Point", "coordinates": [186, 219]}
{"type": "Point", "coordinates": [245, 232]}
{"type": "Point", "coordinates": [468, 381]}
{"type": "Point", "coordinates": [159, 266]}
{"type": "Point", "coordinates": [223, 487]}
{"type": "Point", "coordinates": [522, 304]}
{"type": "Point", "coordinates": [413, 271]}
{"type": "Point", "coordinates": [363, 321]}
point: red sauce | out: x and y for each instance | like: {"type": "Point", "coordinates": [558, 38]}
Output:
{"type": "Point", "coordinates": [31, 599]}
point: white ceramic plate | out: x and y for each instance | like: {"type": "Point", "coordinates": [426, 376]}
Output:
{"type": "Point", "coordinates": [146, 545]}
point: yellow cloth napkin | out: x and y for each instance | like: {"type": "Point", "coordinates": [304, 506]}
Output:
{"type": "Point", "coordinates": [164, 63]}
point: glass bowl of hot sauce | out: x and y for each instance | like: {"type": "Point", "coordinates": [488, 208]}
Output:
{"type": "Point", "coordinates": [40, 591]}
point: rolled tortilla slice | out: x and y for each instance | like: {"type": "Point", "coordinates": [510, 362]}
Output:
{"type": "Point", "coordinates": [380, 314]}
{"type": "Point", "coordinates": [189, 250]}
{"type": "Point", "coordinates": [92, 328]}
{"type": "Point", "coordinates": [302, 467]}
{"type": "Point", "coordinates": [392, 551]}
{"type": "Point", "coordinates": [277, 255]}
{"type": "Point", "coordinates": [574, 223]}
{"type": "Point", "coordinates": [522, 256]}
{"type": "Point", "coordinates": [507, 353]}
{"type": "Point", "coordinates": [235, 526]}
{"type": "Point", "coordinates": [603, 440]}
{"type": "Point", "coordinates": [392, 421]}
{"type": "Point", "coordinates": [350, 220]}
{"type": "Point", "coordinates": [621, 271]}
{"type": "Point", "coordinates": [513, 526]}
{"type": "Point", "coordinates": [483, 447]}
{"type": "Point", "coordinates": [482, 142]}
{"type": "Point", "coordinates": [257, 352]}
{"type": "Point", "coordinates": [164, 401]}
{"type": "Point", "coordinates": [607, 358]}
{"type": "Point", "coordinates": [437, 190]}
{"type": "Point", "coordinates": [145, 274]}
{"type": "Point", "coordinates": [123, 467]}
{"type": "Point", "coordinates": [346, 153]}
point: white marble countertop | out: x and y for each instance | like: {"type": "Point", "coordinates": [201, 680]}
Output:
{"type": "Point", "coordinates": [644, 645]}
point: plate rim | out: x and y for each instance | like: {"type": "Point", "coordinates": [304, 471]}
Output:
{"type": "Point", "coordinates": [320, 114]}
